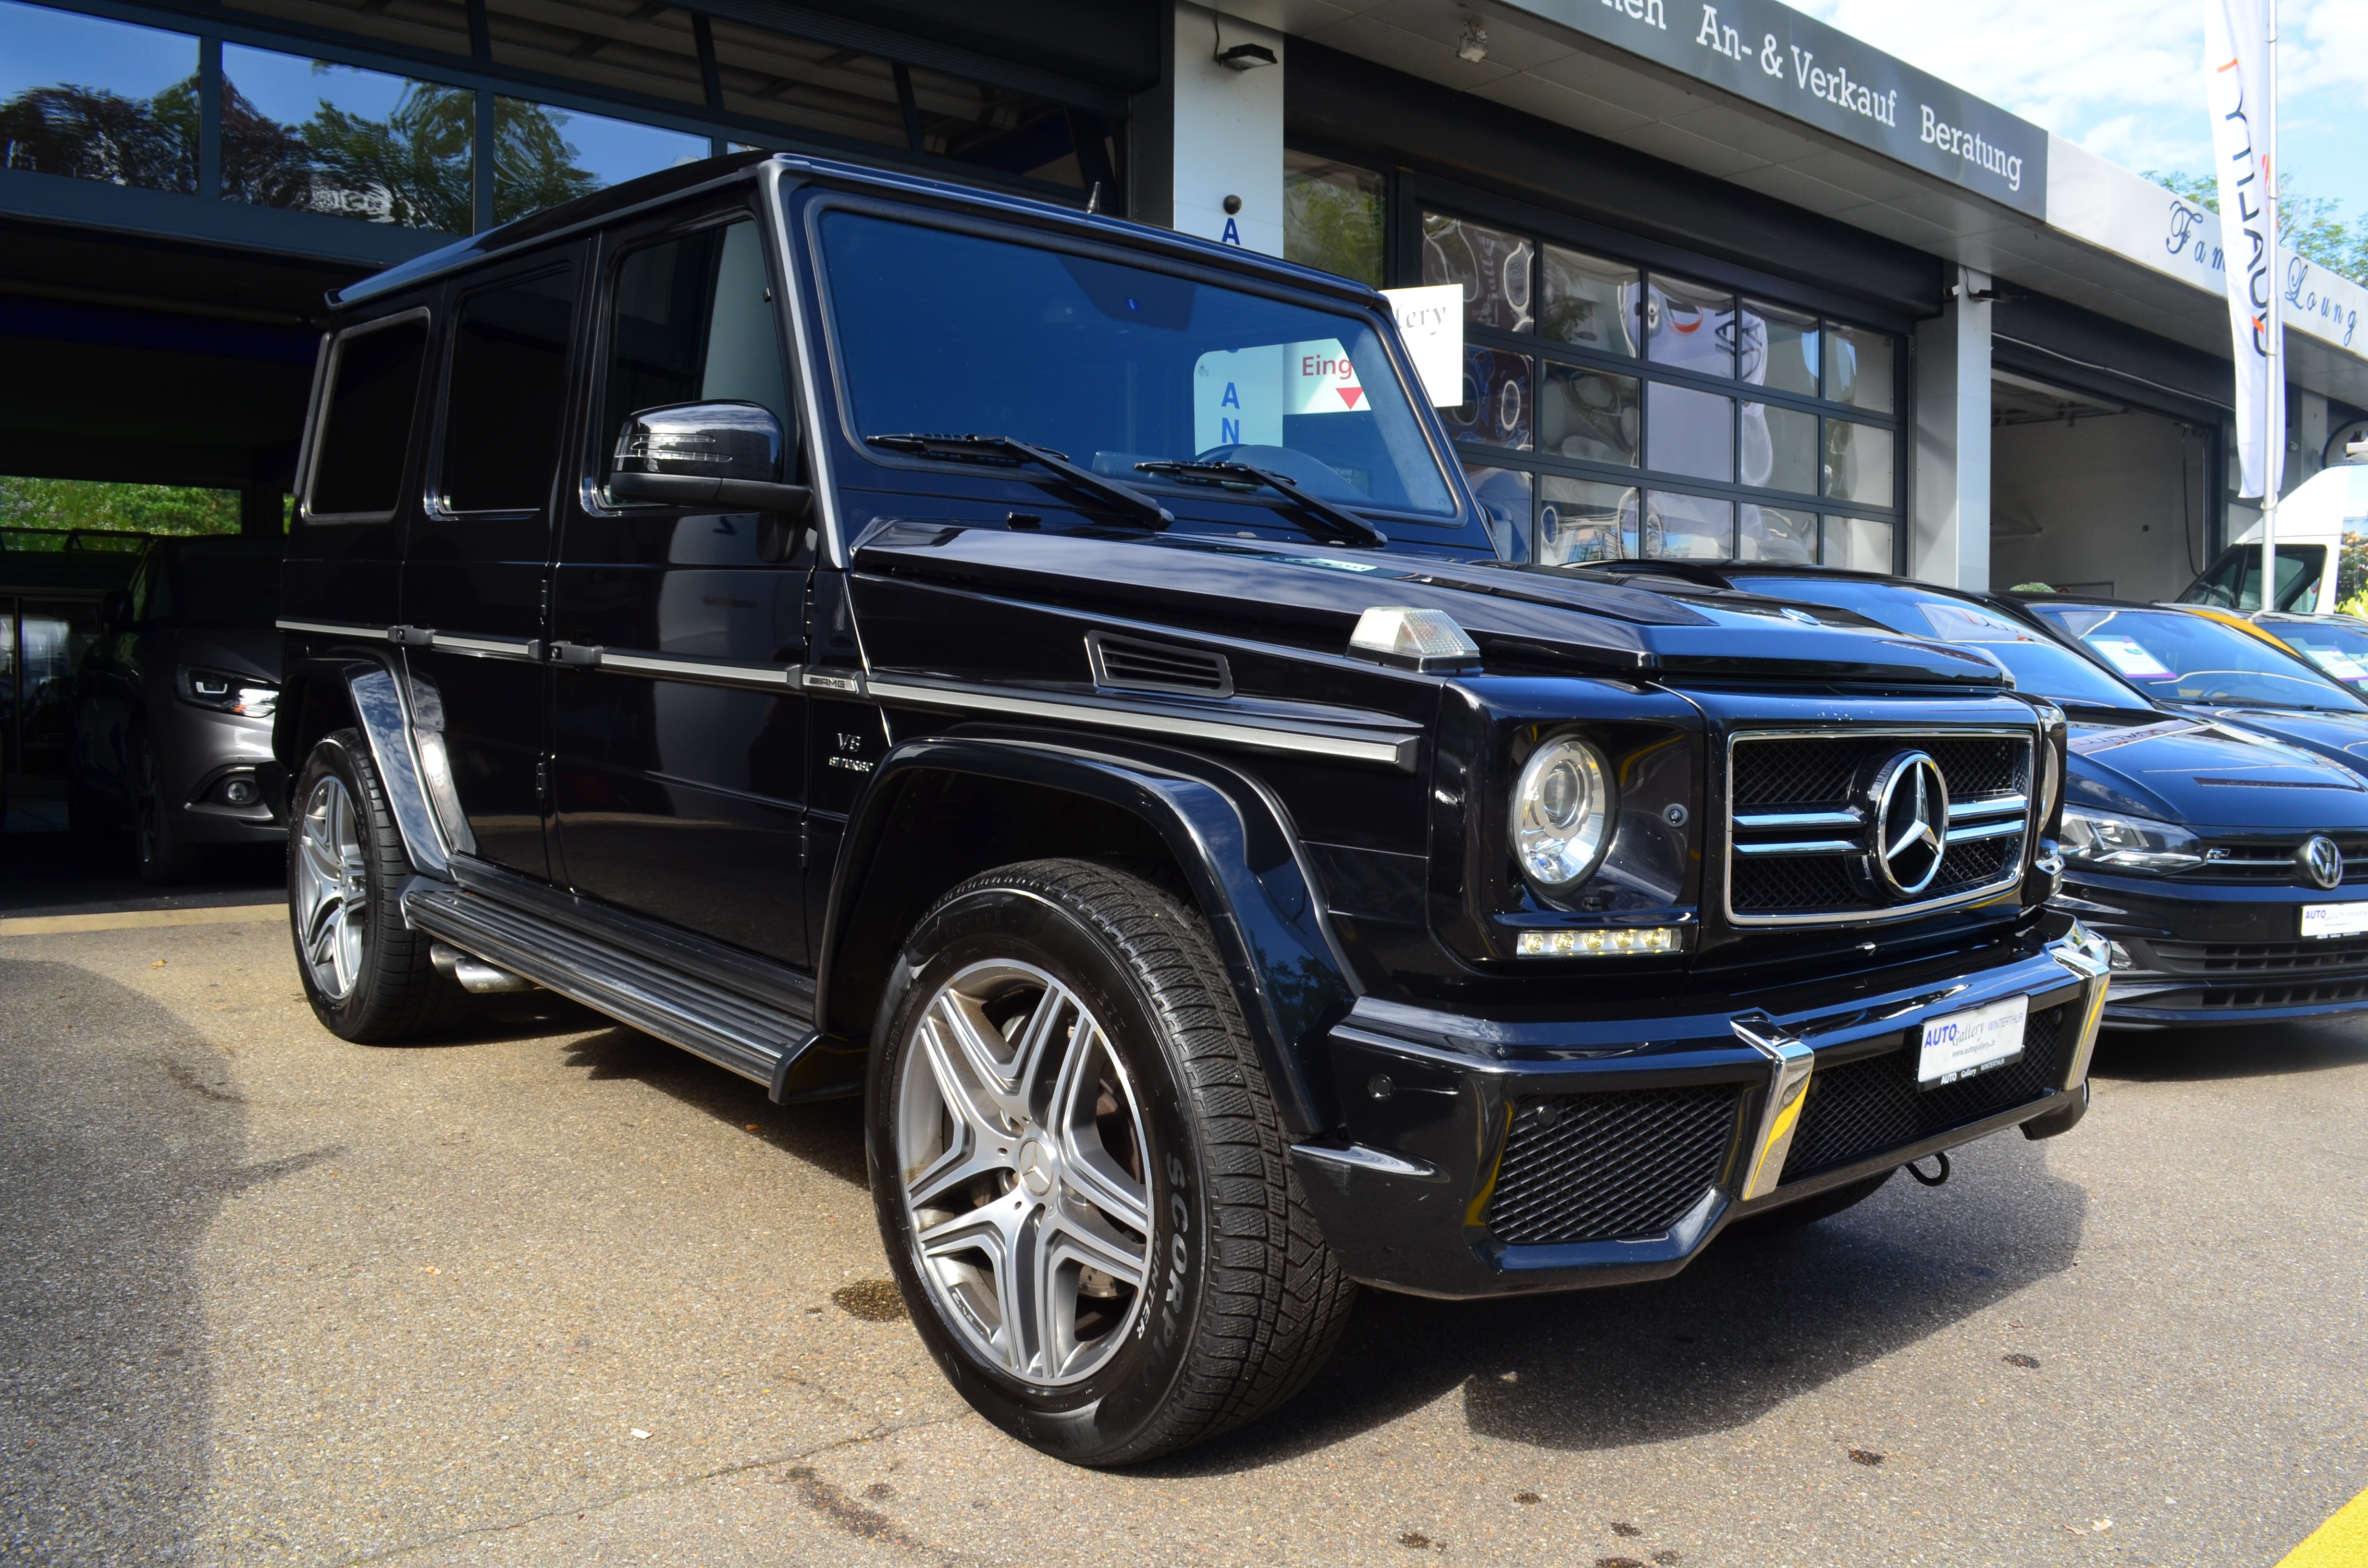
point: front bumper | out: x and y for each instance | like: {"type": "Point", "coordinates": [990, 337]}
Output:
{"type": "Point", "coordinates": [2218, 952]}
{"type": "Point", "coordinates": [1482, 1160]}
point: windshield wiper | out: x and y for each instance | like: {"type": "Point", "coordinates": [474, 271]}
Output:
{"type": "Point", "coordinates": [1345, 525]}
{"type": "Point", "coordinates": [1006, 449]}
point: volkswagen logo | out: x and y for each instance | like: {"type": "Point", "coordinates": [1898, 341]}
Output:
{"type": "Point", "coordinates": [2322, 861]}
{"type": "Point", "coordinates": [1907, 805]}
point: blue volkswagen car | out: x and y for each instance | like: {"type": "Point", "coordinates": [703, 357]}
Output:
{"type": "Point", "coordinates": [2229, 867]}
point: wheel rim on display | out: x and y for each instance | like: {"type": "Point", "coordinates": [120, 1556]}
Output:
{"type": "Point", "coordinates": [1020, 1149]}
{"type": "Point", "coordinates": [331, 895]}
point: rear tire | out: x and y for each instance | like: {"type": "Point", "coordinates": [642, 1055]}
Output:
{"type": "Point", "coordinates": [1809, 1210]}
{"type": "Point", "coordinates": [367, 975]}
{"type": "Point", "coordinates": [1080, 1174]}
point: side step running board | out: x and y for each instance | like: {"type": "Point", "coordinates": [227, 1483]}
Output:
{"type": "Point", "coordinates": [751, 1037]}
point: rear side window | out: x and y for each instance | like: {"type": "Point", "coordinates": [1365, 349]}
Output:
{"type": "Point", "coordinates": [693, 322]}
{"type": "Point", "coordinates": [366, 424]}
{"type": "Point", "coordinates": [508, 394]}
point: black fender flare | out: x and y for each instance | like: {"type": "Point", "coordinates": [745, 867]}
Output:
{"type": "Point", "coordinates": [1231, 837]}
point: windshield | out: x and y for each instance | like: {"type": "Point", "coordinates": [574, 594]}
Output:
{"type": "Point", "coordinates": [2339, 650]}
{"type": "Point", "coordinates": [229, 587]}
{"type": "Point", "coordinates": [2182, 657]}
{"type": "Point", "coordinates": [2040, 667]}
{"type": "Point", "coordinates": [2234, 581]}
{"type": "Point", "coordinates": [1112, 365]}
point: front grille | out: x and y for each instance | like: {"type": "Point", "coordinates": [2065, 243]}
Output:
{"type": "Point", "coordinates": [1610, 1166]}
{"type": "Point", "coordinates": [1860, 1108]}
{"type": "Point", "coordinates": [1800, 835]}
{"type": "Point", "coordinates": [2274, 862]}
{"type": "Point", "coordinates": [2257, 957]}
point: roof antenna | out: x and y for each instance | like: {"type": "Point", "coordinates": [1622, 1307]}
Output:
{"type": "Point", "coordinates": [1094, 199]}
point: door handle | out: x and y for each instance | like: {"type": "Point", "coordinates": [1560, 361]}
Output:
{"type": "Point", "coordinates": [576, 655]}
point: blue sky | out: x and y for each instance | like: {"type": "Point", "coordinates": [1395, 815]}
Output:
{"type": "Point", "coordinates": [2124, 78]}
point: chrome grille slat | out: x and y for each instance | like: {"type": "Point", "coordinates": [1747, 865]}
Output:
{"type": "Point", "coordinates": [1789, 790]}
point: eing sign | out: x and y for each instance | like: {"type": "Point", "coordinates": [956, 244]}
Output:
{"type": "Point", "coordinates": [1241, 396]}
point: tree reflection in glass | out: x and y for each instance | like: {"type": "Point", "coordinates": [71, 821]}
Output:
{"type": "Point", "coordinates": [90, 98]}
{"type": "Point", "coordinates": [325, 138]}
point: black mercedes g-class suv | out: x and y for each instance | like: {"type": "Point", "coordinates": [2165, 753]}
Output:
{"type": "Point", "coordinates": [1050, 677]}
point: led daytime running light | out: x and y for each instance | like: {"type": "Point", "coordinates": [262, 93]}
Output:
{"type": "Point", "coordinates": [1625, 942]}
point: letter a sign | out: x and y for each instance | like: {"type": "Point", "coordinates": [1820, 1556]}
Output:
{"type": "Point", "coordinates": [2241, 82]}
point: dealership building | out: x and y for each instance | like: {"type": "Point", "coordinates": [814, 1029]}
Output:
{"type": "Point", "coordinates": [1734, 283]}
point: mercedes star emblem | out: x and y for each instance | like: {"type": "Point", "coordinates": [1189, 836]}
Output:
{"type": "Point", "coordinates": [2322, 861]}
{"type": "Point", "coordinates": [1908, 809]}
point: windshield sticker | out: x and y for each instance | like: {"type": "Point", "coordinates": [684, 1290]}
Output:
{"type": "Point", "coordinates": [1241, 396]}
{"type": "Point", "coordinates": [2126, 655]}
{"type": "Point", "coordinates": [2093, 741]}
{"type": "Point", "coordinates": [2341, 666]}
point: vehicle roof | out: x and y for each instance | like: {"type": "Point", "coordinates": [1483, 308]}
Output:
{"type": "Point", "coordinates": [620, 200]}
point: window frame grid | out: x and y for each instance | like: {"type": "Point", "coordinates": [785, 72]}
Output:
{"type": "Point", "coordinates": [1411, 195]}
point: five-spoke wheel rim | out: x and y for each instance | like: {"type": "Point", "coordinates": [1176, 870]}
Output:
{"type": "Point", "coordinates": [332, 896]}
{"type": "Point", "coordinates": [1021, 1149]}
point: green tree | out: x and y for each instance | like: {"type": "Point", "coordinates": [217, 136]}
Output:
{"type": "Point", "coordinates": [90, 133]}
{"type": "Point", "coordinates": [1330, 221]}
{"type": "Point", "coordinates": [139, 508]}
{"type": "Point", "coordinates": [2311, 225]}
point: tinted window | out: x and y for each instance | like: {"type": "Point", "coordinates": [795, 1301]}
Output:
{"type": "Point", "coordinates": [2192, 658]}
{"type": "Point", "coordinates": [2235, 580]}
{"type": "Point", "coordinates": [693, 322]}
{"type": "Point", "coordinates": [367, 430]}
{"type": "Point", "coordinates": [1116, 365]}
{"type": "Point", "coordinates": [229, 587]}
{"type": "Point", "coordinates": [509, 392]}
{"type": "Point", "coordinates": [2042, 668]}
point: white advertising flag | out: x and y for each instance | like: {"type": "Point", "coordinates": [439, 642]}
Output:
{"type": "Point", "coordinates": [2241, 85]}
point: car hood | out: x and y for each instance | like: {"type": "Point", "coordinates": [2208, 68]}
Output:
{"type": "Point", "coordinates": [1311, 597]}
{"type": "Point", "coordinates": [2199, 773]}
{"type": "Point", "coordinates": [2342, 738]}
{"type": "Point", "coordinates": [252, 651]}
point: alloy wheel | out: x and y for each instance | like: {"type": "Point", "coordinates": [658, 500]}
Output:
{"type": "Point", "coordinates": [332, 890]}
{"type": "Point", "coordinates": [1025, 1173]}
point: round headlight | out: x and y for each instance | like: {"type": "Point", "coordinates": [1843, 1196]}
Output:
{"type": "Point", "coordinates": [1562, 812]}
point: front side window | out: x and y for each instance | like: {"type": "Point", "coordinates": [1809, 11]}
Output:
{"type": "Point", "coordinates": [691, 321]}
{"type": "Point", "coordinates": [1657, 416]}
{"type": "Point", "coordinates": [507, 394]}
{"type": "Point", "coordinates": [1116, 365]}
{"type": "Point", "coordinates": [366, 421]}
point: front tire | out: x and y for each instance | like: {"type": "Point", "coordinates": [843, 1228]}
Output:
{"type": "Point", "coordinates": [1080, 1174]}
{"type": "Point", "coordinates": [162, 856]}
{"type": "Point", "coordinates": [367, 974]}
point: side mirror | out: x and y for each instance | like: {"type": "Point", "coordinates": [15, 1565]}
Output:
{"type": "Point", "coordinates": [115, 611]}
{"type": "Point", "coordinates": [700, 454]}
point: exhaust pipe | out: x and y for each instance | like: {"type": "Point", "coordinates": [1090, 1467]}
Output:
{"type": "Point", "coordinates": [474, 974]}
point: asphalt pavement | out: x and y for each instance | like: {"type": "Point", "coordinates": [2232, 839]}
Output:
{"type": "Point", "coordinates": [550, 1292]}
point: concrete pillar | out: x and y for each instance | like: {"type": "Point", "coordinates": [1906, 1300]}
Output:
{"type": "Point", "coordinates": [1949, 514]}
{"type": "Point", "coordinates": [1210, 136]}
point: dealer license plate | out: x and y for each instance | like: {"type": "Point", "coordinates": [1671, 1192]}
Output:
{"type": "Point", "coordinates": [2335, 919]}
{"type": "Point", "coordinates": [1975, 1041]}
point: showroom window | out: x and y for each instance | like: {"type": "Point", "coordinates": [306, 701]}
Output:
{"type": "Point", "coordinates": [1616, 412]}
{"type": "Point", "coordinates": [1333, 216]}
